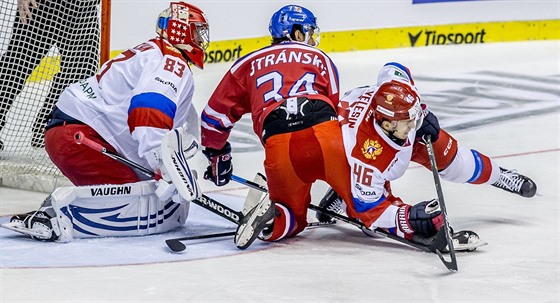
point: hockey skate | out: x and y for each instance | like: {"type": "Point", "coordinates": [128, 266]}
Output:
{"type": "Point", "coordinates": [332, 202]}
{"type": "Point", "coordinates": [254, 196]}
{"type": "Point", "coordinates": [251, 225]}
{"type": "Point", "coordinates": [464, 240]}
{"type": "Point", "coordinates": [516, 183]}
{"type": "Point", "coordinates": [39, 225]}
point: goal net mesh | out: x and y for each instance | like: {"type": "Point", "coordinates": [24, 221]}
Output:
{"type": "Point", "coordinates": [39, 56]}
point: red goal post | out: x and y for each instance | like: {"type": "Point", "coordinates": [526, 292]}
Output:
{"type": "Point", "coordinates": [62, 42]}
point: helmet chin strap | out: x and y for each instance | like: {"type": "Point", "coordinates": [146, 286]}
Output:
{"type": "Point", "coordinates": [391, 135]}
{"type": "Point", "coordinates": [398, 141]}
{"type": "Point", "coordinates": [308, 37]}
{"type": "Point", "coordinates": [184, 53]}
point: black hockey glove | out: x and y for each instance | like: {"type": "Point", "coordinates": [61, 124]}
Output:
{"type": "Point", "coordinates": [424, 218]}
{"type": "Point", "coordinates": [220, 168]}
{"type": "Point", "coordinates": [430, 126]}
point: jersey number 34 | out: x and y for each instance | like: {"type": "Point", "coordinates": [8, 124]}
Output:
{"type": "Point", "coordinates": [303, 86]}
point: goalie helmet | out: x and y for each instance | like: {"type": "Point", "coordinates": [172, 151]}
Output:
{"type": "Point", "coordinates": [283, 21]}
{"type": "Point", "coordinates": [185, 26]}
{"type": "Point", "coordinates": [395, 101]}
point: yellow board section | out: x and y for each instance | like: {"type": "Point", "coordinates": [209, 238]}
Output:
{"type": "Point", "coordinates": [423, 36]}
{"type": "Point", "coordinates": [46, 70]}
{"type": "Point", "coordinates": [344, 41]}
{"type": "Point", "coordinates": [416, 36]}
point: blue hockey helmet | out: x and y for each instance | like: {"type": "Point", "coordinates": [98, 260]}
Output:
{"type": "Point", "coordinates": [283, 21]}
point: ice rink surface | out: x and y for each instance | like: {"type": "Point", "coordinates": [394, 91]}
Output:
{"type": "Point", "coordinates": [502, 99]}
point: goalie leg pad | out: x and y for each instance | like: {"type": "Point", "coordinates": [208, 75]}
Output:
{"type": "Point", "coordinates": [130, 209]}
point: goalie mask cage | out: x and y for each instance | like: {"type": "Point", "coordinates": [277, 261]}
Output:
{"type": "Point", "coordinates": [62, 43]}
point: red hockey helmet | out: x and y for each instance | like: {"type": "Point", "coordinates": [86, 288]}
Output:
{"type": "Point", "coordinates": [395, 101]}
{"type": "Point", "coordinates": [185, 26]}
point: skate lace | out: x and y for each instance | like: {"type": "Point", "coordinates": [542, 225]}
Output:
{"type": "Point", "coordinates": [336, 206]}
{"type": "Point", "coordinates": [510, 179]}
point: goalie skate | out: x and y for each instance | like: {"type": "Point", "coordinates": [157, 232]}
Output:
{"type": "Point", "coordinates": [36, 224]}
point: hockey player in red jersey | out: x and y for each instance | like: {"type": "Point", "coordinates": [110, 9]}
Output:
{"type": "Point", "coordinates": [130, 107]}
{"type": "Point", "coordinates": [291, 90]}
{"type": "Point", "coordinates": [384, 128]}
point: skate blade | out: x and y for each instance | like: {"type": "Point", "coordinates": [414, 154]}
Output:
{"type": "Point", "coordinates": [471, 246]}
{"type": "Point", "coordinates": [243, 236]}
{"type": "Point", "coordinates": [246, 234]}
{"type": "Point", "coordinates": [26, 231]}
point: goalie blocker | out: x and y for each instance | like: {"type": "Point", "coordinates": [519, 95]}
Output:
{"type": "Point", "coordinates": [132, 209]}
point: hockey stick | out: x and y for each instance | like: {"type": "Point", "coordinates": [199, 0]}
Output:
{"type": "Point", "coordinates": [176, 246]}
{"type": "Point", "coordinates": [343, 218]}
{"type": "Point", "coordinates": [452, 263]}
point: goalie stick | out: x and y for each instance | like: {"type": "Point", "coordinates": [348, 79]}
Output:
{"type": "Point", "coordinates": [451, 265]}
{"type": "Point", "coordinates": [80, 138]}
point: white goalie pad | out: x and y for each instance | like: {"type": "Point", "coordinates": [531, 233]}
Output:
{"type": "Point", "coordinates": [176, 148]}
{"type": "Point", "coordinates": [130, 209]}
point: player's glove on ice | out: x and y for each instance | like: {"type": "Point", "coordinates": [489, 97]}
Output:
{"type": "Point", "coordinates": [220, 169]}
{"type": "Point", "coordinates": [424, 218]}
{"type": "Point", "coordinates": [430, 126]}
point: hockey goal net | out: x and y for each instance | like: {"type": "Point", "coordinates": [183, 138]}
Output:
{"type": "Point", "coordinates": [41, 54]}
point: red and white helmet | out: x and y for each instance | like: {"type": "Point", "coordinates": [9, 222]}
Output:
{"type": "Point", "coordinates": [395, 100]}
{"type": "Point", "coordinates": [185, 26]}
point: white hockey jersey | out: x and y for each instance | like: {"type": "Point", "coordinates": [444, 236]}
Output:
{"type": "Point", "coordinates": [373, 157]}
{"type": "Point", "coordinates": [135, 98]}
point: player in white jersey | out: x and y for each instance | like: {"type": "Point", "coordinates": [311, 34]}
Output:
{"type": "Point", "coordinates": [135, 101]}
{"type": "Point", "coordinates": [384, 127]}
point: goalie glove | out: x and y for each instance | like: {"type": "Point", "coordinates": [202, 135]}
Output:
{"type": "Point", "coordinates": [424, 219]}
{"type": "Point", "coordinates": [220, 168]}
{"type": "Point", "coordinates": [170, 159]}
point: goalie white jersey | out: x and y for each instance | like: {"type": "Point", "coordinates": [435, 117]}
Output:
{"type": "Point", "coordinates": [142, 93]}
